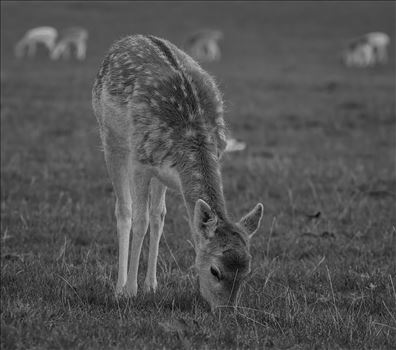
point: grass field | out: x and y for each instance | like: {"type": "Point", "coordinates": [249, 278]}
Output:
{"type": "Point", "coordinates": [321, 139]}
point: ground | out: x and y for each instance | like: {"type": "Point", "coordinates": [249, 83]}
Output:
{"type": "Point", "coordinates": [320, 157]}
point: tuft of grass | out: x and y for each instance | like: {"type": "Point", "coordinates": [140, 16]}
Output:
{"type": "Point", "coordinates": [321, 157]}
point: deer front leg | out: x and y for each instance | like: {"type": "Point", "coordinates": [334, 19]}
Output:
{"type": "Point", "coordinates": [81, 50]}
{"type": "Point", "coordinates": [66, 52]}
{"type": "Point", "coordinates": [139, 184]}
{"type": "Point", "coordinates": [118, 166]}
{"type": "Point", "coordinates": [31, 48]}
{"type": "Point", "coordinates": [157, 218]}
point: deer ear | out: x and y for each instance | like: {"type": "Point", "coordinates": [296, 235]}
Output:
{"type": "Point", "coordinates": [204, 219]}
{"type": "Point", "coordinates": [251, 221]}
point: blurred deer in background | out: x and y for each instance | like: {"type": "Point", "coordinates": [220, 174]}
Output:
{"type": "Point", "coordinates": [367, 50]}
{"type": "Point", "coordinates": [359, 54]}
{"type": "Point", "coordinates": [379, 42]}
{"type": "Point", "coordinates": [204, 45]}
{"type": "Point", "coordinates": [161, 124]}
{"type": "Point", "coordinates": [73, 36]}
{"type": "Point", "coordinates": [40, 35]}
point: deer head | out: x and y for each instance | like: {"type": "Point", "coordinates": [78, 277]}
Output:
{"type": "Point", "coordinates": [222, 252]}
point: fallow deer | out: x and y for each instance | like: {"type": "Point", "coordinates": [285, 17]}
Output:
{"type": "Point", "coordinates": [379, 42]}
{"type": "Point", "coordinates": [40, 35]}
{"type": "Point", "coordinates": [204, 46]}
{"type": "Point", "coordinates": [367, 50]}
{"type": "Point", "coordinates": [73, 36]}
{"type": "Point", "coordinates": [161, 124]}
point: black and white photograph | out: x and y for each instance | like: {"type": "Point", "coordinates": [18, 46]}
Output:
{"type": "Point", "coordinates": [198, 175]}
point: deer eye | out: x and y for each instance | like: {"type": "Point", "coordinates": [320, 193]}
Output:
{"type": "Point", "coordinates": [216, 273]}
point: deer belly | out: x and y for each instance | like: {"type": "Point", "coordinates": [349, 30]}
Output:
{"type": "Point", "coordinates": [168, 176]}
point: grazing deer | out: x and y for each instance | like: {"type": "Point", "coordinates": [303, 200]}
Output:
{"type": "Point", "coordinates": [379, 42]}
{"type": "Point", "coordinates": [359, 54]}
{"type": "Point", "coordinates": [40, 35]}
{"type": "Point", "coordinates": [73, 36]}
{"type": "Point", "coordinates": [161, 125]}
{"type": "Point", "coordinates": [367, 50]}
{"type": "Point", "coordinates": [204, 45]}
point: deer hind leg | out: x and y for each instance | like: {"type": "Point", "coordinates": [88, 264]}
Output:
{"type": "Point", "coordinates": [118, 165]}
{"type": "Point", "coordinates": [49, 44]}
{"type": "Point", "coordinates": [139, 185]}
{"type": "Point", "coordinates": [157, 218]}
{"type": "Point", "coordinates": [66, 51]}
{"type": "Point", "coordinates": [59, 51]}
{"type": "Point", "coordinates": [32, 48]}
{"type": "Point", "coordinates": [81, 50]}
{"type": "Point", "coordinates": [19, 48]}
{"type": "Point", "coordinates": [54, 55]}
{"type": "Point", "coordinates": [382, 54]}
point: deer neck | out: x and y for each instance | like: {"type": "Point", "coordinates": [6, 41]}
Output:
{"type": "Point", "coordinates": [201, 179]}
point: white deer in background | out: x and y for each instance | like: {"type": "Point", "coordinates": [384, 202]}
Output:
{"type": "Point", "coordinates": [367, 50]}
{"type": "Point", "coordinates": [73, 36]}
{"type": "Point", "coordinates": [359, 55]}
{"type": "Point", "coordinates": [379, 42]}
{"type": "Point", "coordinates": [40, 35]}
{"type": "Point", "coordinates": [204, 45]}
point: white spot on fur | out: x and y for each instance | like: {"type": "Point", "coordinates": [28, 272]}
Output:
{"type": "Point", "coordinates": [220, 121]}
{"type": "Point", "coordinates": [190, 132]}
{"type": "Point", "coordinates": [199, 110]}
{"type": "Point", "coordinates": [153, 102]}
{"type": "Point", "coordinates": [221, 134]}
{"type": "Point", "coordinates": [213, 156]}
{"type": "Point", "coordinates": [196, 175]}
{"type": "Point", "coordinates": [184, 90]}
{"type": "Point", "coordinates": [128, 89]}
{"type": "Point", "coordinates": [168, 143]}
{"type": "Point", "coordinates": [139, 107]}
